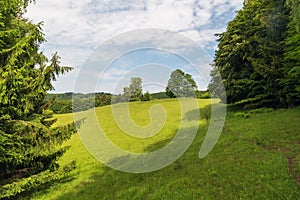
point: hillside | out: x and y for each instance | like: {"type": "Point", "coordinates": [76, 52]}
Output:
{"type": "Point", "coordinates": [256, 157]}
{"type": "Point", "coordinates": [154, 147]}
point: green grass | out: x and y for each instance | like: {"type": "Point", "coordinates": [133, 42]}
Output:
{"type": "Point", "coordinates": [256, 157]}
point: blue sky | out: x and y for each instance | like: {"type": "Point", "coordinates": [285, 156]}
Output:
{"type": "Point", "coordinates": [76, 29]}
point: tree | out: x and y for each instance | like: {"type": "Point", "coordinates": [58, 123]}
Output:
{"type": "Point", "coordinates": [147, 96]}
{"type": "Point", "coordinates": [135, 91]}
{"type": "Point", "coordinates": [117, 99]}
{"type": "Point", "coordinates": [29, 145]}
{"type": "Point", "coordinates": [102, 99]}
{"type": "Point", "coordinates": [249, 56]}
{"type": "Point", "coordinates": [126, 94]}
{"type": "Point", "coordinates": [294, 6]}
{"type": "Point", "coordinates": [181, 85]}
{"type": "Point", "coordinates": [291, 81]}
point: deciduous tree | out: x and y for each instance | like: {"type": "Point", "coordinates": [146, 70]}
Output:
{"type": "Point", "coordinates": [181, 84]}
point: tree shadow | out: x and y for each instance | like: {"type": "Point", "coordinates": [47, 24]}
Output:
{"type": "Point", "coordinates": [175, 180]}
{"type": "Point", "coordinates": [206, 112]}
{"type": "Point", "coordinates": [41, 189]}
{"type": "Point", "coordinates": [109, 183]}
{"type": "Point", "coordinates": [202, 113]}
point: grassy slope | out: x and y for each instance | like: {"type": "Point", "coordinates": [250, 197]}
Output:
{"type": "Point", "coordinates": [255, 158]}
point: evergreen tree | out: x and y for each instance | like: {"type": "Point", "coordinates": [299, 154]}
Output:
{"type": "Point", "coordinates": [29, 146]}
{"type": "Point", "coordinates": [291, 81]}
{"type": "Point", "coordinates": [249, 55]}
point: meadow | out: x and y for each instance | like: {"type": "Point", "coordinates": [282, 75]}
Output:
{"type": "Point", "coordinates": [256, 157]}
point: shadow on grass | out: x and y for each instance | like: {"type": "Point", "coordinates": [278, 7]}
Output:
{"type": "Point", "coordinates": [42, 188]}
{"type": "Point", "coordinates": [236, 169]}
{"type": "Point", "coordinates": [205, 112]}
{"type": "Point", "coordinates": [112, 184]}
{"type": "Point", "coordinates": [164, 183]}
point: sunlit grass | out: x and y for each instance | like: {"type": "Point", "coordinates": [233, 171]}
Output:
{"type": "Point", "coordinates": [252, 160]}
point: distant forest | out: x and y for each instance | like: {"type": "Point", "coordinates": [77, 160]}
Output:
{"type": "Point", "coordinates": [62, 103]}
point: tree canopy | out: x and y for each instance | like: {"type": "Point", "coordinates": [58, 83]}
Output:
{"type": "Point", "coordinates": [258, 55]}
{"type": "Point", "coordinates": [135, 91]}
{"type": "Point", "coordinates": [181, 84]}
{"type": "Point", "coordinates": [291, 61]}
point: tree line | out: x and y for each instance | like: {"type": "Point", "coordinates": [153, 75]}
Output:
{"type": "Point", "coordinates": [73, 102]}
{"type": "Point", "coordinates": [180, 84]}
{"type": "Point", "coordinates": [258, 56]}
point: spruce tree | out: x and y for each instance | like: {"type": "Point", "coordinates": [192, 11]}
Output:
{"type": "Point", "coordinates": [291, 81]}
{"type": "Point", "coordinates": [29, 145]}
{"type": "Point", "coordinates": [249, 55]}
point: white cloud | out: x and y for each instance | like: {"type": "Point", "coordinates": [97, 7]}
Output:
{"type": "Point", "coordinates": [113, 74]}
{"type": "Point", "coordinates": [74, 28]}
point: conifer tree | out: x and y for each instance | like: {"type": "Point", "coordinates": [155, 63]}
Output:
{"type": "Point", "coordinates": [249, 56]}
{"type": "Point", "coordinates": [291, 81]}
{"type": "Point", "coordinates": [29, 145]}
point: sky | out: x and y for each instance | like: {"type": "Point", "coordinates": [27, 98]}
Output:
{"type": "Point", "coordinates": [109, 41]}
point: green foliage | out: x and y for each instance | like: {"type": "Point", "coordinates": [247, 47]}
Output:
{"type": "Point", "coordinates": [28, 144]}
{"type": "Point", "coordinates": [147, 97]}
{"type": "Point", "coordinates": [69, 102]}
{"type": "Point", "coordinates": [241, 115]}
{"type": "Point", "coordinates": [132, 93]}
{"type": "Point", "coordinates": [203, 94]}
{"type": "Point", "coordinates": [135, 90]}
{"type": "Point", "coordinates": [102, 99]}
{"type": "Point", "coordinates": [32, 182]}
{"type": "Point", "coordinates": [249, 59]}
{"type": "Point", "coordinates": [62, 106]}
{"type": "Point", "coordinates": [291, 82]}
{"type": "Point", "coordinates": [180, 84]}
{"type": "Point", "coordinates": [294, 6]}
{"type": "Point", "coordinates": [261, 110]}
{"type": "Point", "coordinates": [159, 95]}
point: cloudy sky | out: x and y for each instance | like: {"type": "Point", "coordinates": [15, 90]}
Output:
{"type": "Point", "coordinates": [77, 28]}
